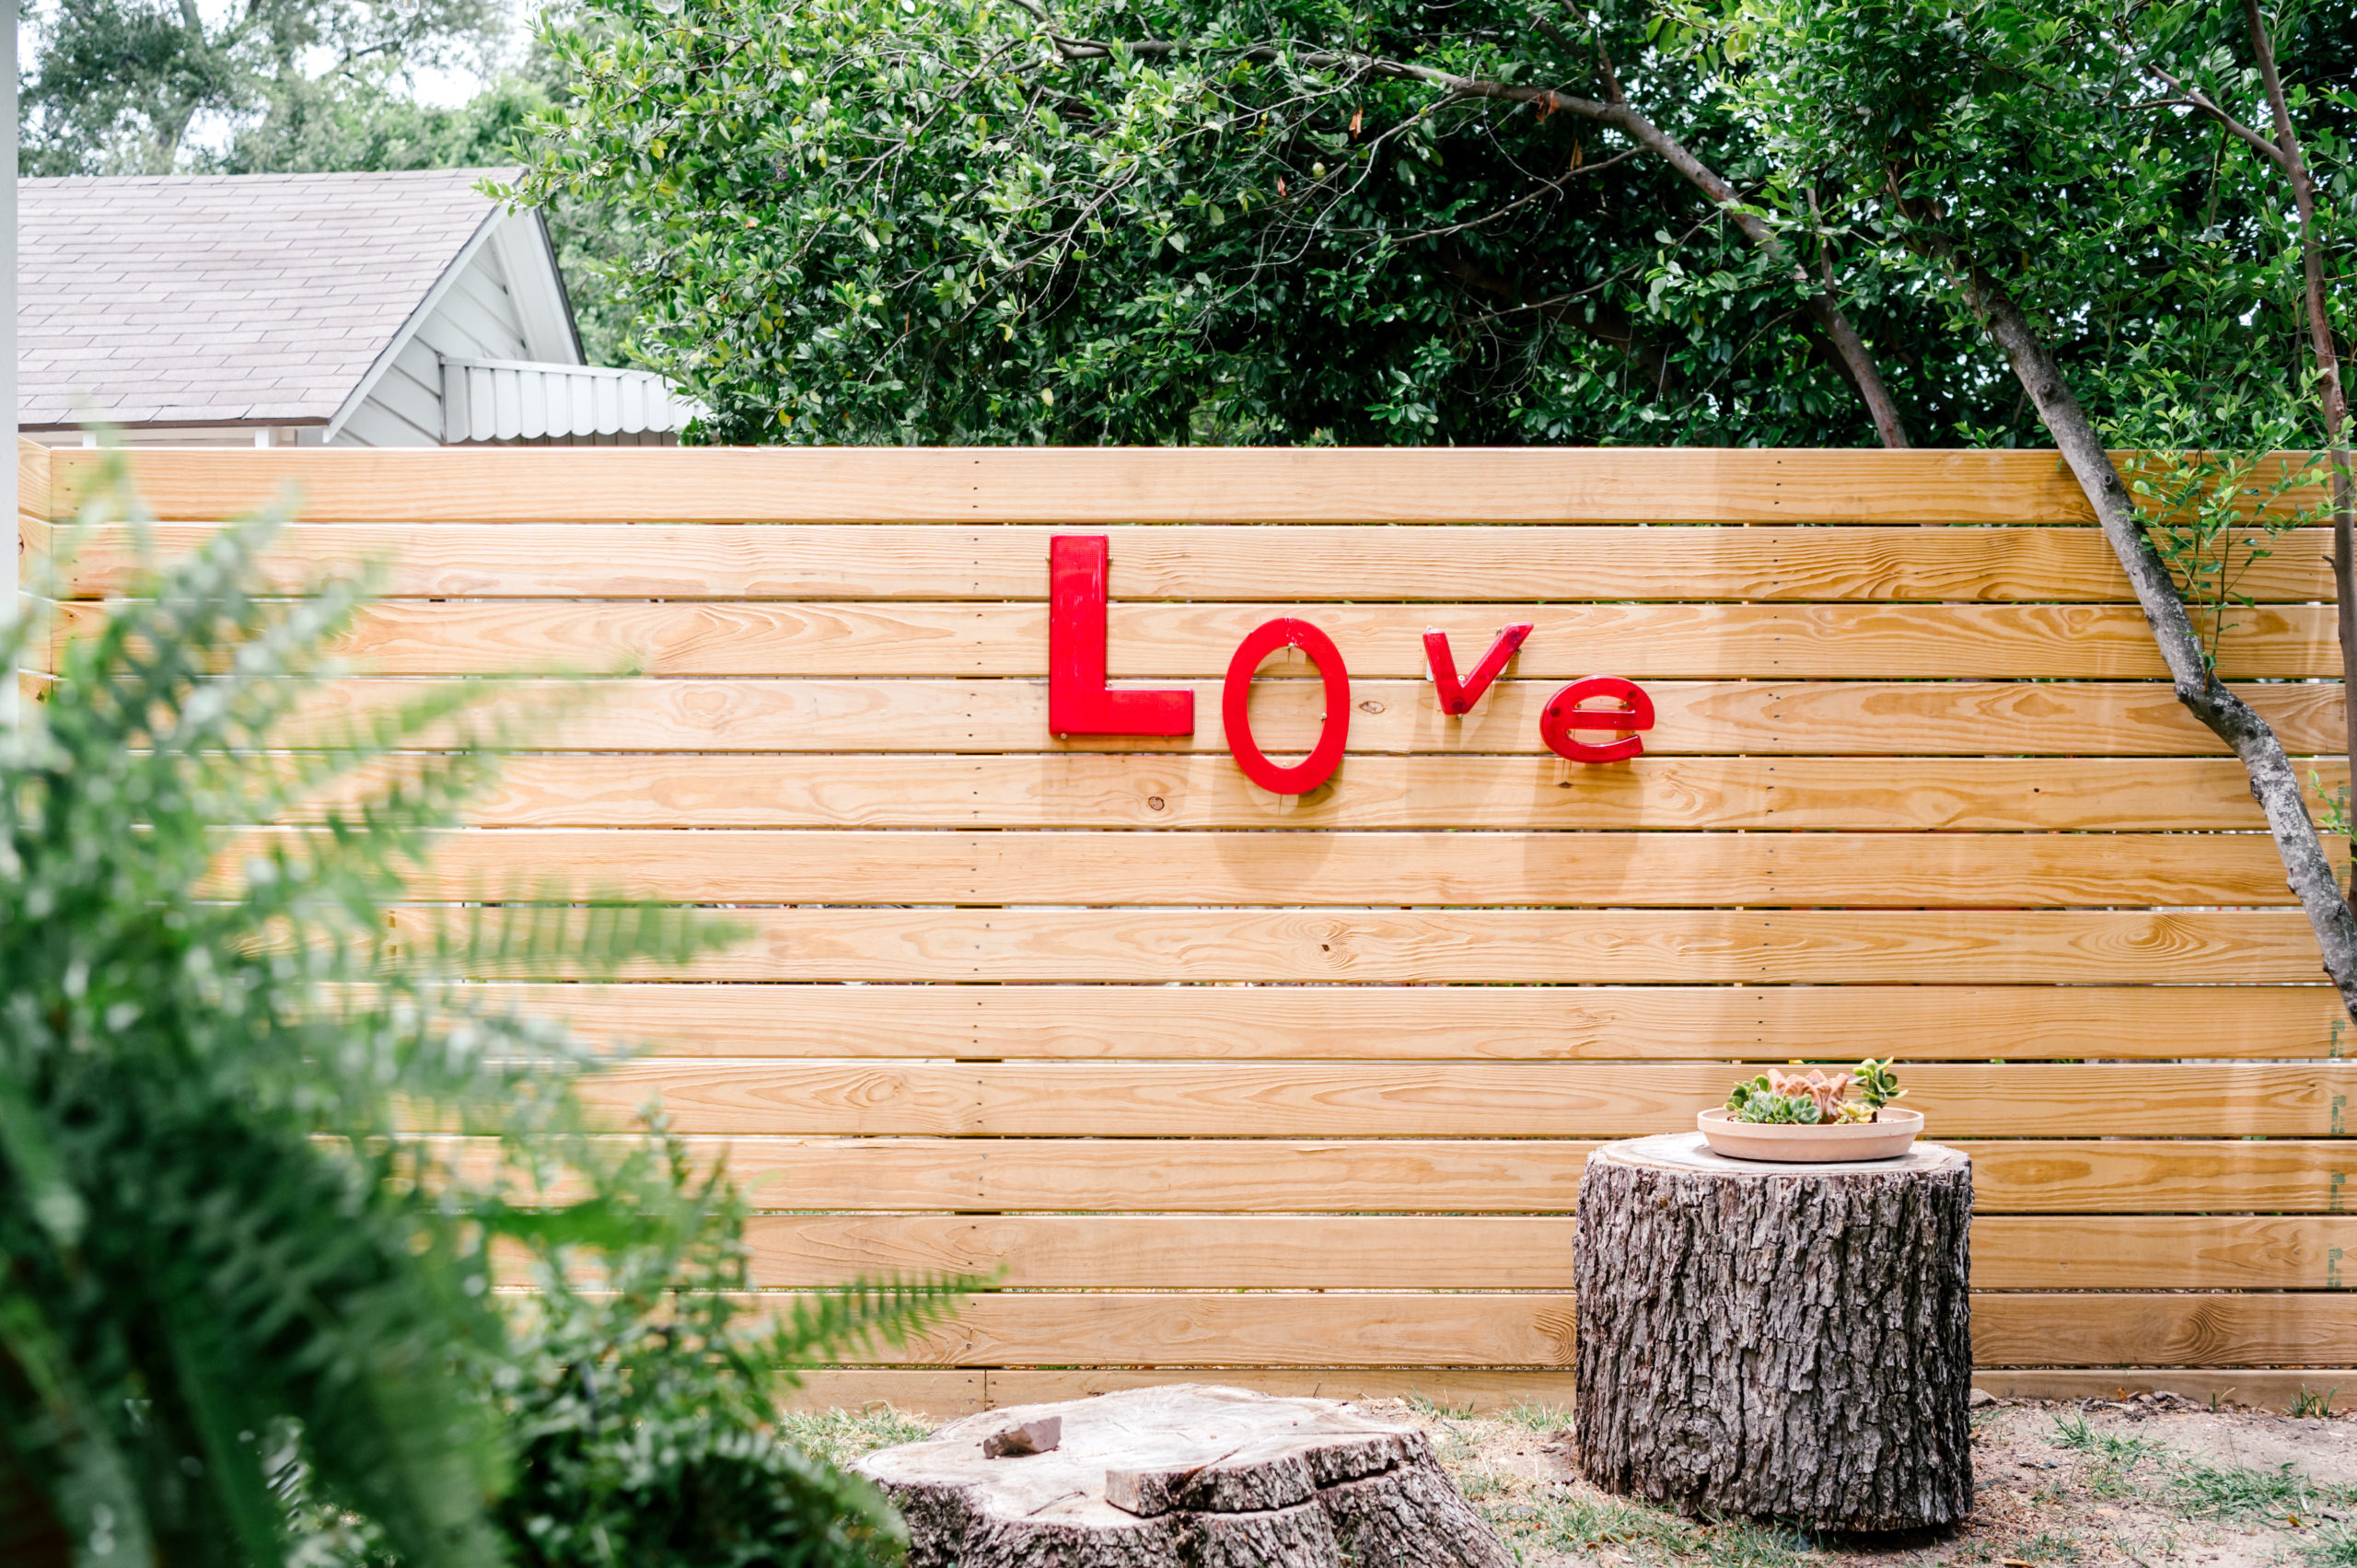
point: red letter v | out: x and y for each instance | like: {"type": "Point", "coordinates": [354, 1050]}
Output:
{"type": "Point", "coordinates": [1078, 700]}
{"type": "Point", "coordinates": [1455, 699]}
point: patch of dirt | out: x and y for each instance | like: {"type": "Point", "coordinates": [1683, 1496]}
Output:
{"type": "Point", "coordinates": [2149, 1483]}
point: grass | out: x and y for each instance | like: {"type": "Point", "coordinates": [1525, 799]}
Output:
{"type": "Point", "coordinates": [1539, 1418]}
{"type": "Point", "coordinates": [2212, 1492]}
{"type": "Point", "coordinates": [2307, 1404]}
{"type": "Point", "coordinates": [2335, 1546]}
{"type": "Point", "coordinates": [840, 1436]}
{"type": "Point", "coordinates": [1583, 1524]}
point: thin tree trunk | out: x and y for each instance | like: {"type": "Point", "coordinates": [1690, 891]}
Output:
{"type": "Point", "coordinates": [2273, 783]}
{"type": "Point", "coordinates": [2329, 391]}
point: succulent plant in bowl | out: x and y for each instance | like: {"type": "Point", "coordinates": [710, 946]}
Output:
{"type": "Point", "coordinates": [1812, 1099]}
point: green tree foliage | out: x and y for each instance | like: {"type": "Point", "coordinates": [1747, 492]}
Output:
{"type": "Point", "coordinates": [2052, 151]}
{"type": "Point", "coordinates": [881, 220]}
{"type": "Point", "coordinates": [238, 1277]}
{"type": "Point", "coordinates": [116, 86]}
{"type": "Point", "coordinates": [869, 220]}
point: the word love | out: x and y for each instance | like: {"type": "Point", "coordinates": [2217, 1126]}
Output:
{"type": "Point", "coordinates": [1080, 703]}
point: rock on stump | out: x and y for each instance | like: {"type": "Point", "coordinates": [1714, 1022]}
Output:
{"type": "Point", "coordinates": [1186, 1476]}
{"type": "Point", "coordinates": [1781, 1340]}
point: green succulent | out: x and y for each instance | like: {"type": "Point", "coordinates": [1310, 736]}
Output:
{"type": "Point", "coordinates": [1877, 1084]}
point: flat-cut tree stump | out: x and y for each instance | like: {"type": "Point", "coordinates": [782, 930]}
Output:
{"type": "Point", "coordinates": [1186, 1476]}
{"type": "Point", "coordinates": [1791, 1341]}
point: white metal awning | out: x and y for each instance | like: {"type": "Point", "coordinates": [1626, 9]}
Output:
{"type": "Point", "coordinates": [514, 400]}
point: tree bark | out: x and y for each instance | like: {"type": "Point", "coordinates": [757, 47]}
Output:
{"type": "Point", "coordinates": [2329, 391]}
{"type": "Point", "coordinates": [1186, 1476]}
{"type": "Point", "coordinates": [2273, 783]}
{"type": "Point", "coordinates": [1785, 1342]}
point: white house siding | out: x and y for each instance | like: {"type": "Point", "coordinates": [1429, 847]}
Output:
{"type": "Point", "coordinates": [510, 401]}
{"type": "Point", "coordinates": [475, 319]}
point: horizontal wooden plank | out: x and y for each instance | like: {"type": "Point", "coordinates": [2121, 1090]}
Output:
{"type": "Point", "coordinates": [2126, 1176]}
{"type": "Point", "coordinates": [2125, 1329]}
{"type": "Point", "coordinates": [1755, 718]}
{"type": "Point", "coordinates": [940, 1395]}
{"type": "Point", "coordinates": [943, 1395]}
{"type": "Point", "coordinates": [1490, 1252]}
{"type": "Point", "coordinates": [2217, 1387]}
{"type": "Point", "coordinates": [32, 479]}
{"type": "Point", "coordinates": [2009, 1329]}
{"type": "Point", "coordinates": [1467, 564]}
{"type": "Point", "coordinates": [1076, 486]}
{"type": "Point", "coordinates": [1482, 947]}
{"type": "Point", "coordinates": [1149, 641]}
{"type": "Point", "coordinates": [1308, 1100]}
{"type": "Point", "coordinates": [2163, 1252]}
{"type": "Point", "coordinates": [2106, 1175]}
{"type": "Point", "coordinates": [857, 866]}
{"type": "Point", "coordinates": [1169, 1251]}
{"type": "Point", "coordinates": [1987, 794]}
{"type": "Point", "coordinates": [1218, 1329]}
{"type": "Point", "coordinates": [1444, 1023]}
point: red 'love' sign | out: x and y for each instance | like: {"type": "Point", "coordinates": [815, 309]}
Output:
{"type": "Point", "coordinates": [1080, 703]}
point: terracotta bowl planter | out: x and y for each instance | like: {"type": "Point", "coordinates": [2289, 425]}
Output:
{"type": "Point", "coordinates": [1793, 1145]}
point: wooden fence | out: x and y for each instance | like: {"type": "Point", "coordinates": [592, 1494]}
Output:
{"type": "Point", "coordinates": [1298, 1088]}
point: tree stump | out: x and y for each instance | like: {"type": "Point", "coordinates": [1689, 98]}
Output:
{"type": "Point", "coordinates": [1791, 1341]}
{"type": "Point", "coordinates": [1186, 1476]}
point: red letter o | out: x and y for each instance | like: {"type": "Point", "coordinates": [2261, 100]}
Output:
{"type": "Point", "coordinates": [1564, 714]}
{"type": "Point", "coordinates": [1236, 696]}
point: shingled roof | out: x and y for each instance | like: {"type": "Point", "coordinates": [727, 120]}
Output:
{"type": "Point", "coordinates": [197, 299]}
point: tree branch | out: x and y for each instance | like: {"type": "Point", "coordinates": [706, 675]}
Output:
{"type": "Point", "coordinates": [1607, 325]}
{"type": "Point", "coordinates": [2273, 783]}
{"type": "Point", "coordinates": [1864, 374]}
{"type": "Point", "coordinates": [2329, 391]}
{"type": "Point", "coordinates": [2195, 99]}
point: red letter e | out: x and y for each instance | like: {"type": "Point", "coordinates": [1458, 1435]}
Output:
{"type": "Point", "coordinates": [1564, 714]}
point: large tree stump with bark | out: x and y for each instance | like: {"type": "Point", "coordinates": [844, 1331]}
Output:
{"type": "Point", "coordinates": [1791, 1341]}
{"type": "Point", "coordinates": [1186, 1476]}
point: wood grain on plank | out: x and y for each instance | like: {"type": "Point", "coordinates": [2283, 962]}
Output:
{"type": "Point", "coordinates": [2163, 1252]}
{"type": "Point", "coordinates": [939, 1395]}
{"type": "Point", "coordinates": [2009, 1329]}
{"type": "Point", "coordinates": [2084, 1175]}
{"type": "Point", "coordinates": [1462, 563]}
{"type": "Point", "coordinates": [2129, 1329]}
{"type": "Point", "coordinates": [943, 1394]}
{"type": "Point", "coordinates": [1168, 1251]}
{"type": "Point", "coordinates": [859, 867]}
{"type": "Point", "coordinates": [1479, 947]}
{"type": "Point", "coordinates": [33, 498]}
{"type": "Point", "coordinates": [1121, 1329]}
{"type": "Point", "coordinates": [1489, 1252]}
{"type": "Point", "coordinates": [1149, 641]}
{"type": "Point", "coordinates": [1988, 793]}
{"type": "Point", "coordinates": [1442, 1023]}
{"type": "Point", "coordinates": [1080, 485]}
{"type": "Point", "coordinates": [1757, 718]}
{"type": "Point", "coordinates": [1443, 1100]}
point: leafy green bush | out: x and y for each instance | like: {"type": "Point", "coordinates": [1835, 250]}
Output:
{"type": "Point", "coordinates": [238, 1285]}
{"type": "Point", "coordinates": [645, 1420]}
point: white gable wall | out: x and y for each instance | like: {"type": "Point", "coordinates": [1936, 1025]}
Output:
{"type": "Point", "coordinates": [477, 317]}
